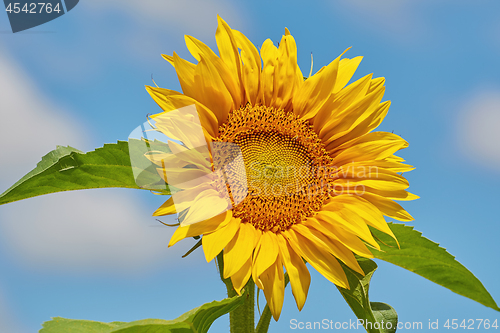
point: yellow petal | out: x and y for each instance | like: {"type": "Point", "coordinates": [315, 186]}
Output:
{"type": "Point", "coordinates": [400, 195]}
{"type": "Point", "coordinates": [273, 281]}
{"type": "Point", "coordinates": [185, 74]}
{"type": "Point", "coordinates": [331, 245]}
{"type": "Point", "coordinates": [380, 180]}
{"type": "Point", "coordinates": [175, 176]}
{"type": "Point", "coordinates": [167, 208]}
{"type": "Point", "coordinates": [207, 204]}
{"type": "Point", "coordinates": [347, 67]}
{"type": "Point", "coordinates": [367, 211]}
{"type": "Point", "coordinates": [352, 116]}
{"type": "Point", "coordinates": [318, 258]}
{"type": "Point", "coordinates": [334, 109]}
{"type": "Point", "coordinates": [160, 159]}
{"type": "Point", "coordinates": [228, 49]}
{"type": "Point", "coordinates": [211, 91]}
{"type": "Point", "coordinates": [210, 225]}
{"type": "Point", "coordinates": [265, 255]}
{"type": "Point", "coordinates": [199, 49]}
{"type": "Point", "coordinates": [183, 199]}
{"type": "Point", "coordinates": [240, 278]}
{"type": "Point", "coordinates": [299, 77]}
{"type": "Point", "coordinates": [300, 279]}
{"type": "Point", "coordinates": [170, 100]}
{"type": "Point", "coordinates": [372, 121]}
{"type": "Point", "coordinates": [336, 214]}
{"type": "Point", "coordinates": [170, 59]}
{"type": "Point", "coordinates": [361, 167]}
{"type": "Point", "coordinates": [239, 249]}
{"type": "Point", "coordinates": [315, 91]}
{"type": "Point", "coordinates": [214, 242]}
{"type": "Point", "coordinates": [183, 125]}
{"type": "Point", "coordinates": [348, 239]}
{"type": "Point", "coordinates": [376, 83]}
{"type": "Point", "coordinates": [371, 146]}
{"type": "Point", "coordinates": [285, 78]}
{"type": "Point", "coordinates": [376, 119]}
{"type": "Point", "coordinates": [388, 207]}
{"type": "Point", "coordinates": [181, 156]}
{"type": "Point", "coordinates": [251, 67]}
{"type": "Point", "coordinates": [269, 54]}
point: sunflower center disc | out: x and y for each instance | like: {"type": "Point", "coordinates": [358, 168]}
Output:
{"type": "Point", "coordinates": [284, 162]}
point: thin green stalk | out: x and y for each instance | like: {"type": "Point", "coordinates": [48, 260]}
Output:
{"type": "Point", "coordinates": [264, 321]}
{"type": "Point", "coordinates": [241, 319]}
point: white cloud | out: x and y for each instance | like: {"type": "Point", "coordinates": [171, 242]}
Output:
{"type": "Point", "coordinates": [32, 125]}
{"type": "Point", "coordinates": [478, 128]}
{"type": "Point", "coordinates": [96, 230]}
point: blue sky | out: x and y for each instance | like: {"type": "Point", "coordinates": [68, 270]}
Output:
{"type": "Point", "coordinates": [79, 80]}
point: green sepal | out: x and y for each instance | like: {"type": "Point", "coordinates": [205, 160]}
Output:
{"type": "Point", "coordinates": [376, 317]}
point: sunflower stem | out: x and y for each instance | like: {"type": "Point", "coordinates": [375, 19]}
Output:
{"type": "Point", "coordinates": [241, 319]}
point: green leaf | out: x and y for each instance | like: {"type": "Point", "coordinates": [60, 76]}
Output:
{"type": "Point", "coordinates": [68, 169]}
{"type": "Point", "coordinates": [426, 258]}
{"type": "Point", "coordinates": [375, 317]}
{"type": "Point", "coordinates": [47, 161]}
{"type": "Point", "coordinates": [197, 320]}
{"type": "Point", "coordinates": [386, 313]}
{"type": "Point", "coordinates": [59, 324]}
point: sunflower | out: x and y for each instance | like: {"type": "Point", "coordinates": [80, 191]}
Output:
{"type": "Point", "coordinates": [310, 176]}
